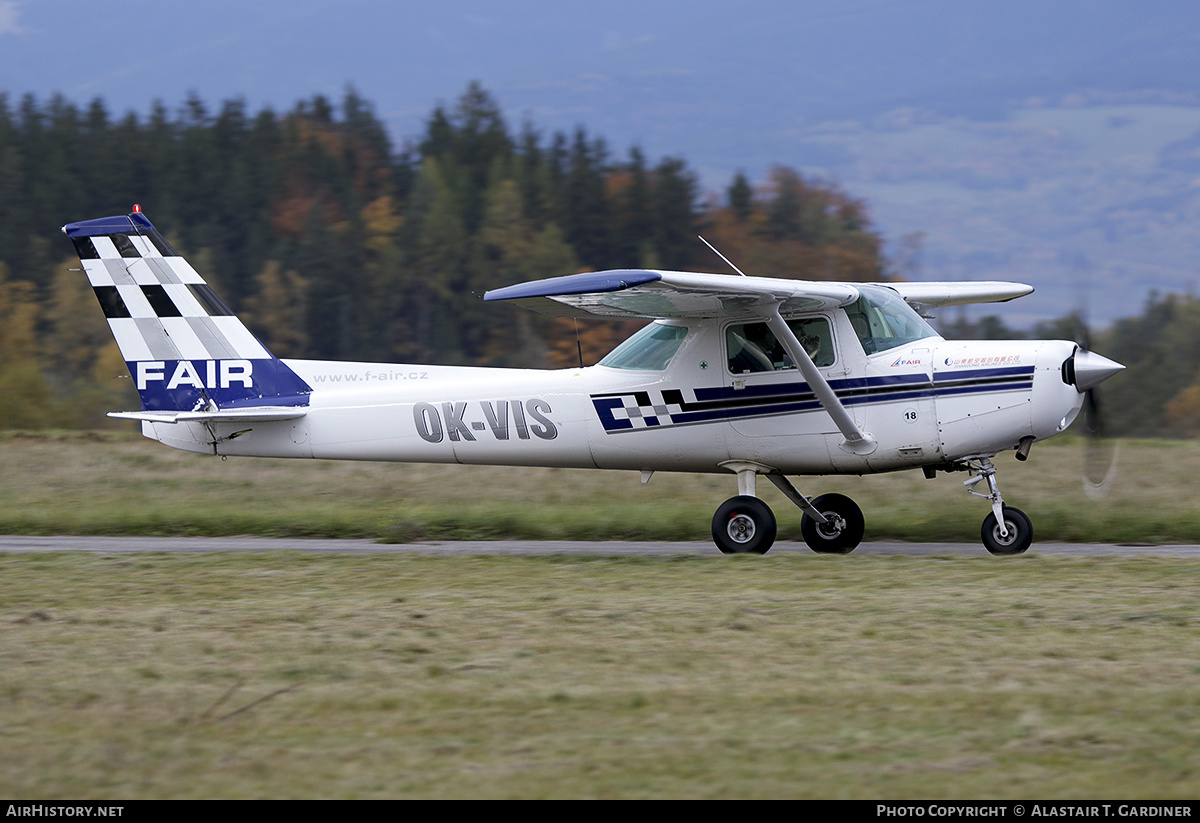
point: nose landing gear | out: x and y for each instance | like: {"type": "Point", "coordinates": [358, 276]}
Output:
{"type": "Point", "coordinates": [1006, 530]}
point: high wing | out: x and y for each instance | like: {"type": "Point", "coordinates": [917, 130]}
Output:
{"type": "Point", "coordinates": [655, 294]}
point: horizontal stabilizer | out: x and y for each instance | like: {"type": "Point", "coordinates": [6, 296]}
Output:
{"type": "Point", "coordinates": [258, 414]}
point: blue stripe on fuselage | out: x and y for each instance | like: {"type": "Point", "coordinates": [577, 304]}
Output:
{"type": "Point", "coordinates": [721, 403]}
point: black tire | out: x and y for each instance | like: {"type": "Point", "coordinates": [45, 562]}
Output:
{"type": "Point", "coordinates": [1020, 532]}
{"type": "Point", "coordinates": [840, 538]}
{"type": "Point", "coordinates": [744, 525]}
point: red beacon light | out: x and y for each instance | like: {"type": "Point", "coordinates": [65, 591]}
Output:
{"type": "Point", "coordinates": [137, 209]}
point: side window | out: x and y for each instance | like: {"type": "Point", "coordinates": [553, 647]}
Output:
{"type": "Point", "coordinates": [750, 347]}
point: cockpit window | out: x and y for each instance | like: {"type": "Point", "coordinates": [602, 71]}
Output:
{"type": "Point", "coordinates": [882, 320]}
{"type": "Point", "coordinates": [751, 347]}
{"type": "Point", "coordinates": [651, 349]}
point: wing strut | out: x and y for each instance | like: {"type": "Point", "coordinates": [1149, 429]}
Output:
{"type": "Point", "coordinates": [857, 441]}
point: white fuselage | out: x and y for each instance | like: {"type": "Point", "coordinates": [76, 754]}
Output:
{"type": "Point", "coordinates": [931, 402]}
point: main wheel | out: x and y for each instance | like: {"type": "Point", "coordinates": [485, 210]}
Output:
{"type": "Point", "coordinates": [842, 533]}
{"type": "Point", "coordinates": [1018, 539]}
{"type": "Point", "coordinates": [743, 525]}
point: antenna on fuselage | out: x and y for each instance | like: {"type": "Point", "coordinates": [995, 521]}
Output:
{"type": "Point", "coordinates": [723, 257]}
{"type": "Point", "coordinates": [578, 343]}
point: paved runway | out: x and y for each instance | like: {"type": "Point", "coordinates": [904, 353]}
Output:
{"type": "Point", "coordinates": [118, 545]}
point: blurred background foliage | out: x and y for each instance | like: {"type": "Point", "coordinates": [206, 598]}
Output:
{"type": "Point", "coordinates": [331, 242]}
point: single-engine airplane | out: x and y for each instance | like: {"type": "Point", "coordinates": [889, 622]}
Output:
{"type": "Point", "coordinates": [744, 375]}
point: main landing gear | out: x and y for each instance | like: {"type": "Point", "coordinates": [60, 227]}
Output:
{"type": "Point", "coordinates": [842, 530]}
{"type": "Point", "coordinates": [832, 523]}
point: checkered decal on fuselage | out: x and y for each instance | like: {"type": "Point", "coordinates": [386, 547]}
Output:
{"type": "Point", "coordinates": [157, 306]}
{"type": "Point", "coordinates": [640, 412]}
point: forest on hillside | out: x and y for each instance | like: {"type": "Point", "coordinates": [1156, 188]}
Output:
{"type": "Point", "coordinates": [332, 242]}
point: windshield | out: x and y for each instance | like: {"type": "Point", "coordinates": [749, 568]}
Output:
{"type": "Point", "coordinates": [651, 349]}
{"type": "Point", "coordinates": [882, 320]}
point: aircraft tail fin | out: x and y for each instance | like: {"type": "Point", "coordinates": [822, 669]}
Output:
{"type": "Point", "coordinates": [185, 349]}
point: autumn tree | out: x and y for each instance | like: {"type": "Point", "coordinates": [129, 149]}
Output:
{"type": "Point", "coordinates": [278, 310]}
{"type": "Point", "coordinates": [1183, 411]}
{"type": "Point", "coordinates": [25, 399]}
{"type": "Point", "coordinates": [1161, 352]}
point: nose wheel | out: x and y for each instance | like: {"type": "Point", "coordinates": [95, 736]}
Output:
{"type": "Point", "coordinates": [1006, 530]}
{"type": "Point", "coordinates": [1014, 538]}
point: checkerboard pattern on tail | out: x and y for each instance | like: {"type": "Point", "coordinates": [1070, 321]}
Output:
{"type": "Point", "coordinates": [184, 347]}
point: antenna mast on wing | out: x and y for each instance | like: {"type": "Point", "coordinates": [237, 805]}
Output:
{"type": "Point", "coordinates": [723, 257]}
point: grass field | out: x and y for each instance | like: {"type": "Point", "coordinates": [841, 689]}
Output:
{"type": "Point", "coordinates": [280, 674]}
{"type": "Point", "coordinates": [289, 675]}
{"type": "Point", "coordinates": [75, 483]}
